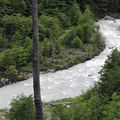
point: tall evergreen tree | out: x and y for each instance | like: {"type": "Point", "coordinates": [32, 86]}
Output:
{"type": "Point", "coordinates": [36, 81]}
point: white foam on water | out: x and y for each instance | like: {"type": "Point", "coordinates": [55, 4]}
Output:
{"type": "Point", "coordinates": [70, 82]}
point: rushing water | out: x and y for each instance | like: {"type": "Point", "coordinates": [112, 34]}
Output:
{"type": "Point", "coordinates": [70, 82]}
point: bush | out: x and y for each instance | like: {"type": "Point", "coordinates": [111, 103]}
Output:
{"type": "Point", "coordinates": [12, 61]}
{"type": "Point", "coordinates": [68, 37]}
{"type": "Point", "coordinates": [87, 32]}
{"type": "Point", "coordinates": [17, 39]}
{"type": "Point", "coordinates": [98, 41]}
{"type": "Point", "coordinates": [64, 20]}
{"type": "Point", "coordinates": [16, 56]}
{"type": "Point", "coordinates": [3, 43]}
{"type": "Point", "coordinates": [11, 72]}
{"type": "Point", "coordinates": [22, 108]}
{"type": "Point", "coordinates": [76, 42]}
{"type": "Point", "coordinates": [60, 33]}
{"type": "Point", "coordinates": [89, 50]}
{"type": "Point", "coordinates": [50, 27]}
{"type": "Point", "coordinates": [14, 23]}
{"type": "Point", "coordinates": [80, 32]}
{"type": "Point", "coordinates": [110, 75]}
{"type": "Point", "coordinates": [61, 112]}
{"type": "Point", "coordinates": [79, 109]}
{"type": "Point", "coordinates": [46, 47]}
{"type": "Point", "coordinates": [100, 103]}
{"type": "Point", "coordinates": [75, 14]}
{"type": "Point", "coordinates": [112, 110]}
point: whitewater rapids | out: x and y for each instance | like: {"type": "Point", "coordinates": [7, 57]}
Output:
{"type": "Point", "coordinates": [70, 82]}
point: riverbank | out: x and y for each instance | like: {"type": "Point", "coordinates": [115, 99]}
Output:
{"type": "Point", "coordinates": [67, 58]}
{"type": "Point", "coordinates": [70, 82]}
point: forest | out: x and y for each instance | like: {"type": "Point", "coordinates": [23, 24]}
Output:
{"type": "Point", "coordinates": [69, 35]}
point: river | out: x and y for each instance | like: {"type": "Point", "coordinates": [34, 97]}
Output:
{"type": "Point", "coordinates": [69, 82]}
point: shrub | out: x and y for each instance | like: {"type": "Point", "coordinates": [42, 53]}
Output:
{"type": "Point", "coordinates": [112, 110]}
{"type": "Point", "coordinates": [14, 23]}
{"type": "Point", "coordinates": [16, 56]}
{"type": "Point", "coordinates": [11, 72]}
{"type": "Point", "coordinates": [50, 27]}
{"type": "Point", "coordinates": [22, 108]}
{"type": "Point", "coordinates": [89, 50]}
{"type": "Point", "coordinates": [75, 14]}
{"type": "Point", "coordinates": [87, 32]}
{"type": "Point", "coordinates": [80, 32]}
{"type": "Point", "coordinates": [97, 40]}
{"type": "Point", "coordinates": [68, 37]}
{"type": "Point", "coordinates": [76, 42]}
{"type": "Point", "coordinates": [16, 39]}
{"type": "Point", "coordinates": [11, 62]}
{"type": "Point", "coordinates": [46, 47]}
{"type": "Point", "coordinates": [3, 43]}
{"type": "Point", "coordinates": [64, 20]}
{"type": "Point", "coordinates": [110, 75]}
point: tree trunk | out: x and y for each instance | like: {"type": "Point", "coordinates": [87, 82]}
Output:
{"type": "Point", "coordinates": [36, 64]}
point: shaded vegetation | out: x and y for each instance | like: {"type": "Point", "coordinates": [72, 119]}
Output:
{"type": "Point", "coordinates": [67, 36]}
{"type": "Point", "coordinates": [22, 108]}
{"type": "Point", "coordinates": [102, 7]}
{"type": "Point", "coordinates": [100, 103]}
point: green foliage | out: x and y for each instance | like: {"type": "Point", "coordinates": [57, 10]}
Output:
{"type": "Point", "coordinates": [101, 102]}
{"type": "Point", "coordinates": [46, 47]}
{"type": "Point", "coordinates": [65, 31]}
{"type": "Point", "coordinates": [15, 56]}
{"type": "Point", "coordinates": [79, 109]}
{"type": "Point", "coordinates": [76, 42]}
{"type": "Point", "coordinates": [18, 6]}
{"type": "Point", "coordinates": [75, 14]}
{"type": "Point", "coordinates": [89, 50]}
{"type": "Point", "coordinates": [98, 41]}
{"type": "Point", "coordinates": [11, 72]}
{"type": "Point", "coordinates": [61, 111]}
{"type": "Point", "coordinates": [110, 75]}
{"type": "Point", "coordinates": [22, 108]}
{"type": "Point", "coordinates": [68, 37]}
{"type": "Point", "coordinates": [87, 31]}
{"type": "Point", "coordinates": [101, 7]}
{"type": "Point", "coordinates": [14, 23]}
{"type": "Point", "coordinates": [3, 43]}
{"type": "Point", "coordinates": [64, 20]}
{"type": "Point", "coordinates": [11, 62]}
{"type": "Point", "coordinates": [88, 25]}
{"type": "Point", "coordinates": [17, 39]}
{"type": "Point", "coordinates": [80, 32]}
{"type": "Point", "coordinates": [88, 15]}
{"type": "Point", "coordinates": [15, 6]}
{"type": "Point", "coordinates": [50, 27]}
{"type": "Point", "coordinates": [112, 110]}
{"type": "Point", "coordinates": [53, 7]}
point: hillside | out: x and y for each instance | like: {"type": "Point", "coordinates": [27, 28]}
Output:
{"type": "Point", "coordinates": [67, 37]}
{"type": "Point", "coordinates": [79, 49]}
